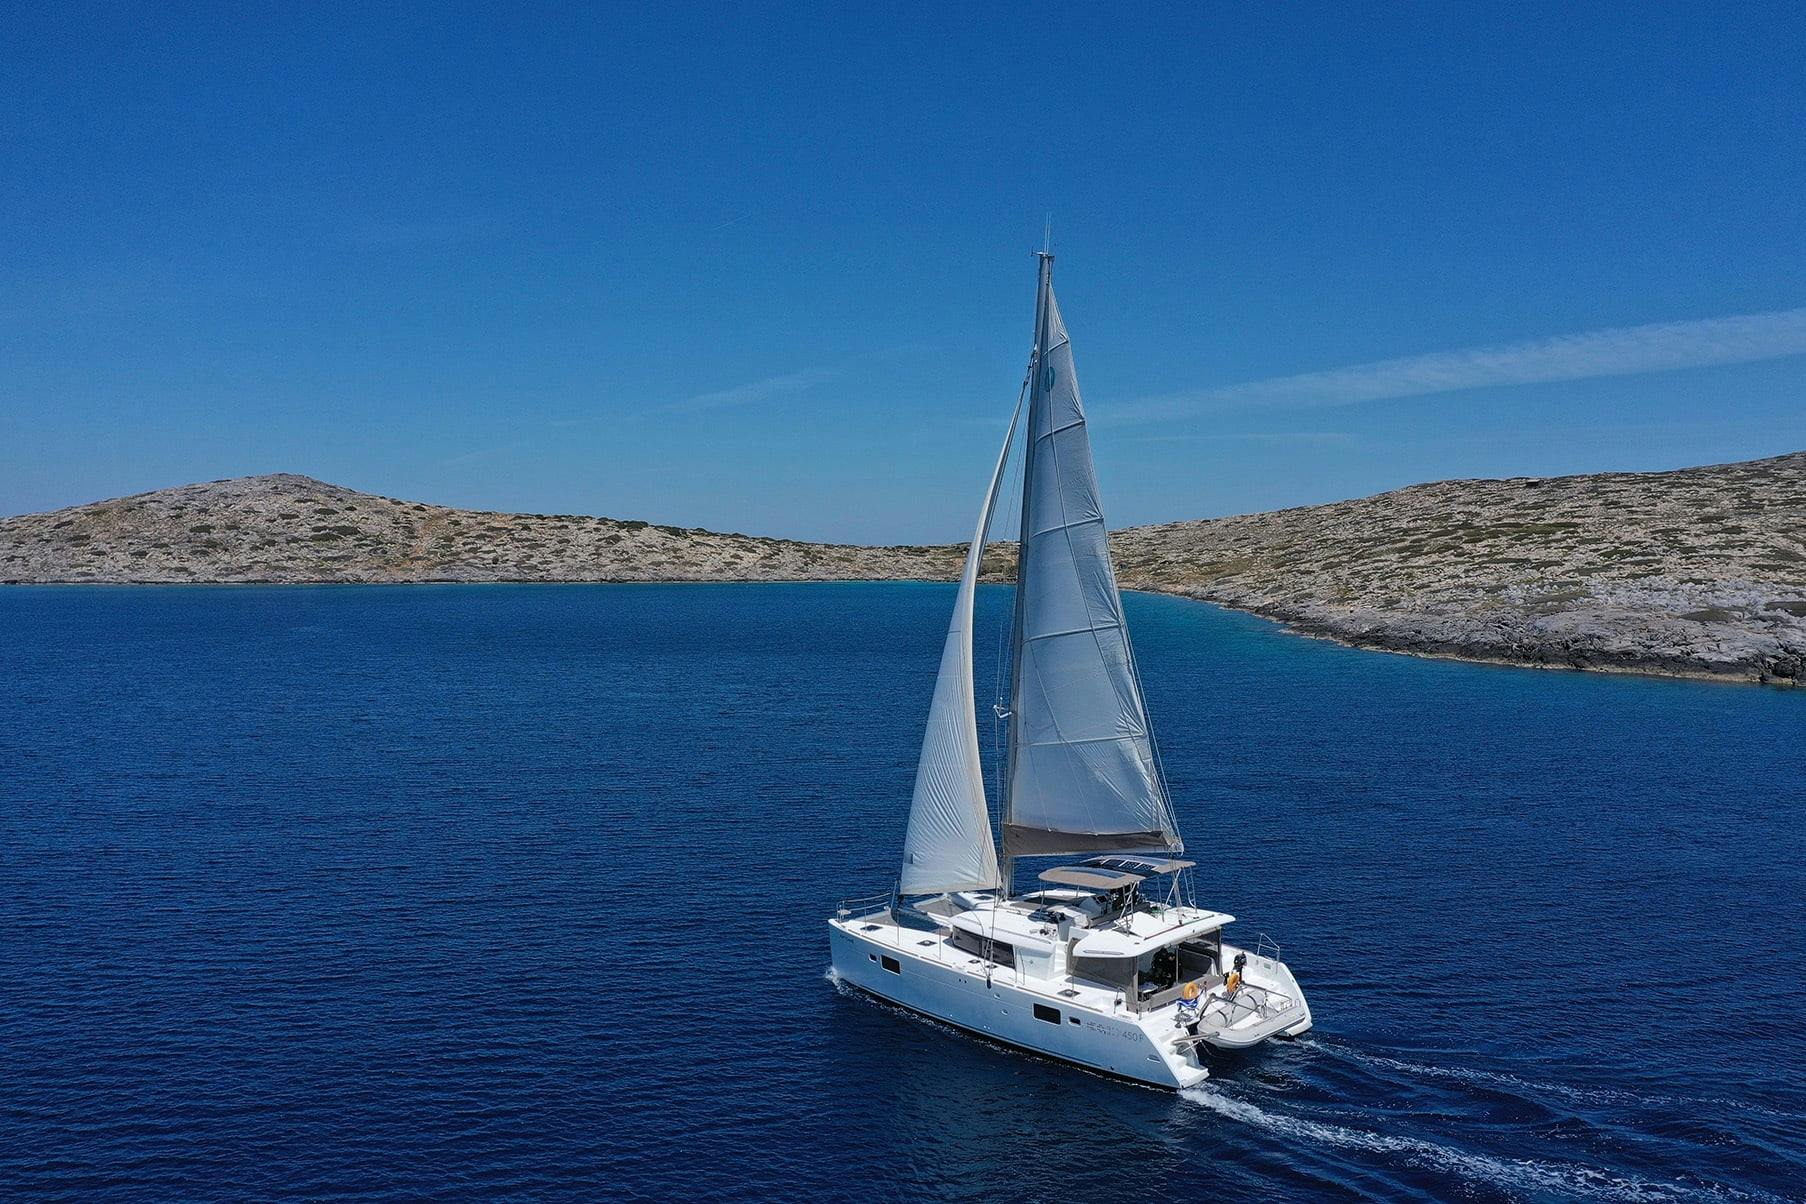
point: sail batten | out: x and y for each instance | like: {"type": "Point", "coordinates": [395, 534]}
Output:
{"type": "Point", "coordinates": [1059, 429]}
{"type": "Point", "coordinates": [1077, 522]}
{"type": "Point", "coordinates": [1082, 773]}
{"type": "Point", "coordinates": [948, 845]}
{"type": "Point", "coordinates": [1054, 635]}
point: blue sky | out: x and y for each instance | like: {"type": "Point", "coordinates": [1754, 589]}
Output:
{"type": "Point", "coordinates": [771, 270]}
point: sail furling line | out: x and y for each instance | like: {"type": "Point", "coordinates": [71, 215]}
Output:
{"type": "Point", "coordinates": [948, 845]}
{"type": "Point", "coordinates": [1083, 775]}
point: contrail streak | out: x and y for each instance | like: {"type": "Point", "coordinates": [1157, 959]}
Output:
{"type": "Point", "coordinates": [1617, 351]}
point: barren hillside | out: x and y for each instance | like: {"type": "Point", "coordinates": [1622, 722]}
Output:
{"type": "Point", "coordinates": [286, 528]}
{"type": "Point", "coordinates": [1700, 571]}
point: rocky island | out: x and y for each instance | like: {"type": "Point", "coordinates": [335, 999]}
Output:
{"type": "Point", "coordinates": [1696, 572]}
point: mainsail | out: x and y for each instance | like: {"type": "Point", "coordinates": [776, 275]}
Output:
{"type": "Point", "coordinates": [1082, 772]}
{"type": "Point", "coordinates": [948, 845]}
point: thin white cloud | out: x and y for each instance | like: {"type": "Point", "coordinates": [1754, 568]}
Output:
{"type": "Point", "coordinates": [1618, 351]}
{"type": "Point", "coordinates": [758, 390]}
{"type": "Point", "coordinates": [1244, 437]}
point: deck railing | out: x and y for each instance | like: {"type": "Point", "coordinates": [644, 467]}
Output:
{"type": "Point", "coordinates": [864, 903]}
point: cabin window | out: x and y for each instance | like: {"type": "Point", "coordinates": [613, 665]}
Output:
{"type": "Point", "coordinates": [1051, 1015]}
{"type": "Point", "coordinates": [1000, 953]}
{"type": "Point", "coordinates": [1073, 1020]}
{"type": "Point", "coordinates": [891, 964]}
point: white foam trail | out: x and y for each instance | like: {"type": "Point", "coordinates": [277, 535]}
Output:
{"type": "Point", "coordinates": [1494, 1078]}
{"type": "Point", "coordinates": [1489, 1078]}
{"type": "Point", "coordinates": [1562, 1179]}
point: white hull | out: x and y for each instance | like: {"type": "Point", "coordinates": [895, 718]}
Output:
{"type": "Point", "coordinates": [1093, 1030]}
{"type": "Point", "coordinates": [1004, 1011]}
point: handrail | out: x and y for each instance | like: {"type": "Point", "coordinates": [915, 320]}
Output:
{"type": "Point", "coordinates": [847, 907]}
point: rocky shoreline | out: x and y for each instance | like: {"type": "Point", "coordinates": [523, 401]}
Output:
{"type": "Point", "coordinates": [1522, 644]}
{"type": "Point", "coordinates": [1699, 572]}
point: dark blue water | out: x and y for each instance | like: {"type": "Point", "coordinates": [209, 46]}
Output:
{"type": "Point", "coordinates": [520, 892]}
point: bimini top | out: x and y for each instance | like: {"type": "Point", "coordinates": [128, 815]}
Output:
{"type": "Point", "coordinates": [1144, 864]}
{"type": "Point", "coordinates": [1088, 877]}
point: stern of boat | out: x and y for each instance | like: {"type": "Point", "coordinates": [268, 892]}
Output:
{"type": "Point", "coordinates": [1267, 1003]}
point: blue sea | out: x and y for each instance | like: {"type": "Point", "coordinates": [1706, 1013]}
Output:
{"type": "Point", "coordinates": [520, 893]}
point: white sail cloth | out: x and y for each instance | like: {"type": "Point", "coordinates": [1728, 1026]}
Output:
{"type": "Point", "coordinates": [948, 845]}
{"type": "Point", "coordinates": [1082, 774]}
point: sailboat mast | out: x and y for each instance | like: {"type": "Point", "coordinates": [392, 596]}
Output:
{"type": "Point", "coordinates": [1037, 387]}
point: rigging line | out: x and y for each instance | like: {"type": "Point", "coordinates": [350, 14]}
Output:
{"type": "Point", "coordinates": [999, 728]}
{"type": "Point", "coordinates": [1171, 823]}
{"type": "Point", "coordinates": [1166, 793]}
{"type": "Point", "coordinates": [1019, 614]}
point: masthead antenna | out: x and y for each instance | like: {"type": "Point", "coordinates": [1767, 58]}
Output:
{"type": "Point", "coordinates": [1047, 236]}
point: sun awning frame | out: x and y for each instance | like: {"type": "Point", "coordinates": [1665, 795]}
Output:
{"type": "Point", "coordinates": [1091, 877]}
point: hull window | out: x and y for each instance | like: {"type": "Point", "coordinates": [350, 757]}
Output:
{"type": "Point", "coordinates": [890, 963]}
{"type": "Point", "coordinates": [1051, 1015]}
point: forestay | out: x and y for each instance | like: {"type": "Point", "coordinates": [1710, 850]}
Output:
{"type": "Point", "coordinates": [948, 845]}
{"type": "Point", "coordinates": [1082, 774]}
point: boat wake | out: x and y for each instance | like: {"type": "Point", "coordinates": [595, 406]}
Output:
{"type": "Point", "coordinates": [1500, 1080]}
{"type": "Point", "coordinates": [1567, 1180]}
{"type": "Point", "coordinates": [1418, 1092]}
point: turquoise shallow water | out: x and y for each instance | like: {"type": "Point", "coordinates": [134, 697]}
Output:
{"type": "Point", "coordinates": [519, 892]}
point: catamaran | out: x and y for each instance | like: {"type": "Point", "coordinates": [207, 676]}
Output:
{"type": "Point", "coordinates": [1109, 961]}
